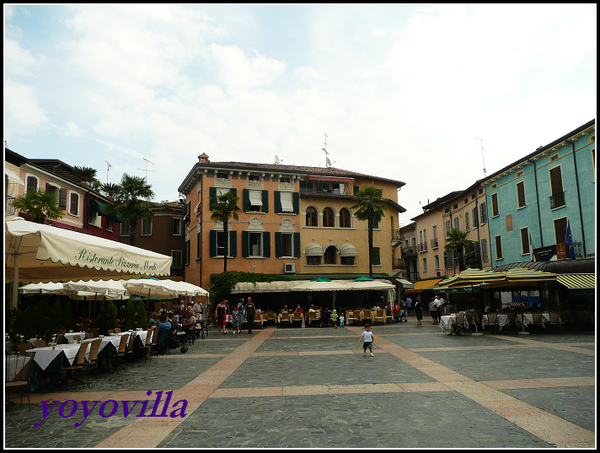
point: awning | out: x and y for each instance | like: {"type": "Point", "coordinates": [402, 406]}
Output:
{"type": "Point", "coordinates": [313, 249]}
{"type": "Point", "coordinates": [423, 285]}
{"type": "Point", "coordinates": [255, 198]}
{"type": "Point", "coordinates": [13, 177]}
{"type": "Point", "coordinates": [287, 204]}
{"type": "Point", "coordinates": [582, 284]}
{"type": "Point", "coordinates": [348, 250]}
{"type": "Point", "coordinates": [96, 207]}
{"type": "Point", "coordinates": [405, 283]}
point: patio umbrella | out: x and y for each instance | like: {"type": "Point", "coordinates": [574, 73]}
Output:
{"type": "Point", "coordinates": [42, 288]}
{"type": "Point", "coordinates": [43, 253]}
{"type": "Point", "coordinates": [322, 284]}
{"type": "Point", "coordinates": [150, 287]}
{"type": "Point", "coordinates": [110, 288]}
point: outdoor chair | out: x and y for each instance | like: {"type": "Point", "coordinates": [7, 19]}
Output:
{"type": "Point", "coordinates": [92, 361]}
{"type": "Point", "coordinates": [40, 343]}
{"type": "Point", "coordinates": [366, 317]}
{"type": "Point", "coordinates": [74, 371]}
{"type": "Point", "coordinates": [122, 351]}
{"type": "Point", "coordinates": [380, 316]}
{"type": "Point", "coordinates": [17, 377]}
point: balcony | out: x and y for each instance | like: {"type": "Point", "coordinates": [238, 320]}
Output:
{"type": "Point", "coordinates": [434, 243]}
{"type": "Point", "coordinates": [422, 247]}
{"type": "Point", "coordinates": [409, 251]}
{"type": "Point", "coordinates": [398, 263]}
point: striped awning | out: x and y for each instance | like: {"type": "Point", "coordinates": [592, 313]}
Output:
{"type": "Point", "coordinates": [578, 283]}
{"type": "Point", "coordinates": [423, 285]}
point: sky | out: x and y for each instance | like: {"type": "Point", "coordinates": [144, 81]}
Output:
{"type": "Point", "coordinates": [434, 95]}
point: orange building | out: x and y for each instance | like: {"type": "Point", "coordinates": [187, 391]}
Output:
{"type": "Point", "coordinates": [294, 220]}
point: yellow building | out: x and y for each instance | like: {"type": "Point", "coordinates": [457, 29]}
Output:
{"type": "Point", "coordinates": [294, 221]}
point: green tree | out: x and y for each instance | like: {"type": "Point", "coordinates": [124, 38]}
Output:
{"type": "Point", "coordinates": [86, 174]}
{"type": "Point", "coordinates": [38, 205]}
{"type": "Point", "coordinates": [132, 201]}
{"type": "Point", "coordinates": [130, 318]}
{"type": "Point", "coordinates": [370, 207]}
{"type": "Point", "coordinates": [141, 316]}
{"type": "Point", "coordinates": [107, 318]}
{"type": "Point", "coordinates": [224, 207]}
{"type": "Point", "coordinates": [457, 241]}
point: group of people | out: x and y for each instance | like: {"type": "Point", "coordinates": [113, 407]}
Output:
{"type": "Point", "coordinates": [179, 314]}
{"type": "Point", "coordinates": [248, 310]}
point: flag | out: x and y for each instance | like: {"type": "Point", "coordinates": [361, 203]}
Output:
{"type": "Point", "coordinates": [531, 248]}
{"type": "Point", "coordinates": [569, 241]}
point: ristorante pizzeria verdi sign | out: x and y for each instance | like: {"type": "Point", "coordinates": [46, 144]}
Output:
{"type": "Point", "coordinates": [115, 261]}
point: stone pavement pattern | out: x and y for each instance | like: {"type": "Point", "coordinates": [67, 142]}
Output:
{"type": "Point", "coordinates": [313, 388]}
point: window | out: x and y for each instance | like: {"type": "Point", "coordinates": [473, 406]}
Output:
{"type": "Point", "coordinates": [95, 220]}
{"type": "Point", "coordinates": [376, 257]}
{"type": "Point", "coordinates": [345, 218]}
{"type": "Point", "coordinates": [177, 259]}
{"type": "Point", "coordinates": [557, 198]}
{"type": "Point", "coordinates": [254, 200]}
{"type": "Point", "coordinates": [525, 241]}
{"type": "Point", "coordinates": [484, 251]}
{"type": "Point", "coordinates": [74, 204]}
{"type": "Point", "coordinates": [448, 226]}
{"type": "Point", "coordinates": [424, 265]}
{"type": "Point", "coordinates": [287, 201]}
{"type": "Point", "coordinates": [255, 245]}
{"type": "Point", "coordinates": [313, 260]}
{"type": "Point", "coordinates": [146, 227]}
{"type": "Point", "coordinates": [32, 183]}
{"type": "Point", "coordinates": [287, 245]}
{"type": "Point", "coordinates": [436, 263]}
{"type": "Point", "coordinates": [125, 229]}
{"type": "Point", "coordinates": [328, 218]}
{"type": "Point", "coordinates": [218, 243]}
{"type": "Point", "coordinates": [495, 210]}
{"type": "Point", "coordinates": [475, 216]}
{"type": "Point", "coordinates": [330, 255]}
{"type": "Point", "coordinates": [188, 247]}
{"type": "Point", "coordinates": [175, 227]}
{"type": "Point", "coordinates": [467, 224]}
{"type": "Point", "coordinates": [198, 244]}
{"type": "Point", "coordinates": [560, 230]}
{"type": "Point", "coordinates": [253, 177]}
{"type": "Point", "coordinates": [456, 223]}
{"type": "Point", "coordinates": [109, 224]}
{"type": "Point", "coordinates": [521, 203]}
{"type": "Point", "coordinates": [222, 175]}
{"type": "Point", "coordinates": [483, 213]}
{"type": "Point", "coordinates": [312, 217]}
{"type": "Point", "coordinates": [498, 242]}
{"type": "Point", "coordinates": [221, 243]}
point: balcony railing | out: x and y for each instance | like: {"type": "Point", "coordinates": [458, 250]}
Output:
{"type": "Point", "coordinates": [8, 209]}
{"type": "Point", "coordinates": [422, 247]}
{"type": "Point", "coordinates": [557, 200]}
{"type": "Point", "coordinates": [409, 251]}
{"type": "Point", "coordinates": [434, 243]}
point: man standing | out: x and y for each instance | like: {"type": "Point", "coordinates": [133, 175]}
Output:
{"type": "Point", "coordinates": [250, 311]}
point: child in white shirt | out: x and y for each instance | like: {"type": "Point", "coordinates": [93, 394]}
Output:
{"type": "Point", "coordinates": [367, 339]}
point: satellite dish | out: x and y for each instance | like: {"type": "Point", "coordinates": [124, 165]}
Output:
{"type": "Point", "coordinates": [277, 159]}
{"type": "Point", "coordinates": [328, 161]}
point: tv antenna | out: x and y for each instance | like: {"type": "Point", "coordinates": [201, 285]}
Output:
{"type": "Point", "coordinates": [277, 160]}
{"type": "Point", "coordinates": [107, 169]}
{"type": "Point", "coordinates": [146, 169]}
{"type": "Point", "coordinates": [482, 159]}
{"type": "Point", "coordinates": [327, 161]}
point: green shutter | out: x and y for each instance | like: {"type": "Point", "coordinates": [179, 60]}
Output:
{"type": "Point", "coordinates": [277, 201]}
{"type": "Point", "coordinates": [375, 257]}
{"type": "Point", "coordinates": [297, 251]}
{"type": "Point", "coordinates": [233, 244]}
{"type": "Point", "coordinates": [62, 199]}
{"type": "Point", "coordinates": [213, 243]}
{"type": "Point", "coordinates": [212, 193]}
{"type": "Point", "coordinates": [265, 201]}
{"type": "Point", "coordinates": [267, 244]}
{"type": "Point", "coordinates": [296, 202]}
{"type": "Point", "coordinates": [246, 200]}
{"type": "Point", "coordinates": [245, 245]}
{"type": "Point", "coordinates": [277, 244]}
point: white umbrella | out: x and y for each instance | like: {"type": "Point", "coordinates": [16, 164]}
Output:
{"type": "Point", "coordinates": [185, 288]}
{"type": "Point", "coordinates": [112, 289]}
{"type": "Point", "coordinates": [150, 287]}
{"type": "Point", "coordinates": [42, 288]}
{"type": "Point", "coordinates": [322, 285]}
{"type": "Point", "coordinates": [42, 253]}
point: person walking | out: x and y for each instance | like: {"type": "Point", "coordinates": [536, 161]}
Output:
{"type": "Point", "coordinates": [250, 312]}
{"type": "Point", "coordinates": [403, 313]}
{"type": "Point", "coordinates": [433, 309]}
{"type": "Point", "coordinates": [419, 311]}
{"type": "Point", "coordinates": [220, 316]}
{"type": "Point", "coordinates": [367, 339]}
{"type": "Point", "coordinates": [238, 320]}
{"type": "Point", "coordinates": [334, 318]}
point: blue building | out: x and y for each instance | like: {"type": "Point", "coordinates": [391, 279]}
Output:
{"type": "Point", "coordinates": [542, 206]}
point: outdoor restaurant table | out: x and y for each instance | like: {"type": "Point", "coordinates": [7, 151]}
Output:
{"type": "Point", "coordinates": [71, 335]}
{"type": "Point", "coordinates": [448, 323]}
{"type": "Point", "coordinates": [501, 320]}
{"type": "Point", "coordinates": [528, 319]}
{"type": "Point", "coordinates": [49, 360]}
{"type": "Point", "coordinates": [14, 366]}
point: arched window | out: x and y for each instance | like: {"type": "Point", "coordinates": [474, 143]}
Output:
{"type": "Point", "coordinates": [328, 218]}
{"type": "Point", "coordinates": [345, 218]}
{"type": "Point", "coordinates": [312, 217]}
{"type": "Point", "coordinates": [330, 255]}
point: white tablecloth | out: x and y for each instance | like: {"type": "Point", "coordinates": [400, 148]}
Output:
{"type": "Point", "coordinates": [44, 356]}
{"type": "Point", "coordinates": [501, 321]}
{"type": "Point", "coordinates": [71, 335]}
{"type": "Point", "coordinates": [447, 321]}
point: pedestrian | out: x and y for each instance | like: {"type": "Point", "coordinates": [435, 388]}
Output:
{"type": "Point", "coordinates": [403, 313]}
{"type": "Point", "coordinates": [419, 311]}
{"type": "Point", "coordinates": [441, 306]}
{"type": "Point", "coordinates": [220, 316]}
{"type": "Point", "coordinates": [238, 319]}
{"type": "Point", "coordinates": [409, 304]}
{"type": "Point", "coordinates": [342, 319]}
{"type": "Point", "coordinates": [367, 339]}
{"type": "Point", "coordinates": [433, 309]}
{"type": "Point", "coordinates": [334, 318]}
{"type": "Point", "coordinates": [250, 311]}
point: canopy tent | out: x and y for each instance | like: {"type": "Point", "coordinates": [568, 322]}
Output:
{"type": "Point", "coordinates": [519, 278]}
{"type": "Point", "coordinates": [150, 287]}
{"type": "Point", "coordinates": [32, 289]}
{"type": "Point", "coordinates": [322, 284]}
{"type": "Point", "coordinates": [42, 253]}
{"type": "Point", "coordinates": [363, 283]}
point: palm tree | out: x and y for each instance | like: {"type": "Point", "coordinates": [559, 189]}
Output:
{"type": "Point", "coordinates": [87, 174]}
{"type": "Point", "coordinates": [370, 207]}
{"type": "Point", "coordinates": [456, 240]}
{"type": "Point", "coordinates": [224, 207]}
{"type": "Point", "coordinates": [38, 205]}
{"type": "Point", "coordinates": [132, 201]}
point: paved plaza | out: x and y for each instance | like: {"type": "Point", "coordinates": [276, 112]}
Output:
{"type": "Point", "coordinates": [314, 388]}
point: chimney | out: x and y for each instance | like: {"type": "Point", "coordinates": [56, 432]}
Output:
{"type": "Point", "coordinates": [203, 158]}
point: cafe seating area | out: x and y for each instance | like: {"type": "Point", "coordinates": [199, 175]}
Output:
{"type": "Point", "coordinates": [69, 359]}
{"type": "Point", "coordinates": [460, 323]}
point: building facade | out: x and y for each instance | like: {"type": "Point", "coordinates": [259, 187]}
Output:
{"type": "Point", "coordinates": [81, 205]}
{"type": "Point", "coordinates": [293, 221]}
{"type": "Point", "coordinates": [536, 201]}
